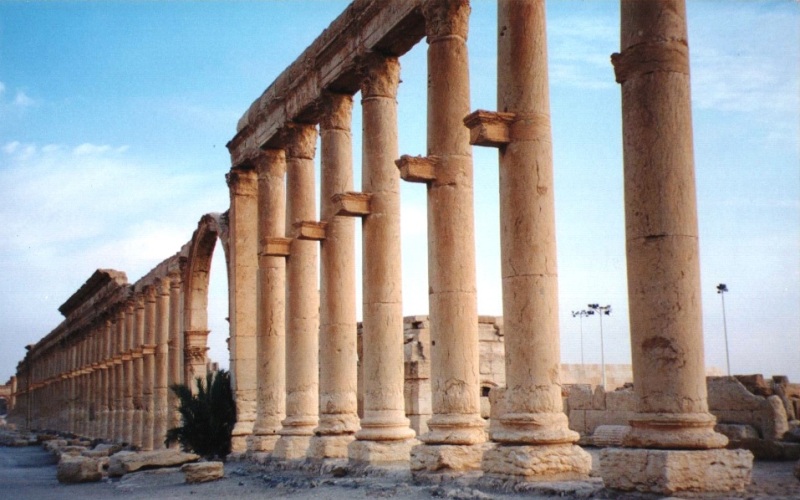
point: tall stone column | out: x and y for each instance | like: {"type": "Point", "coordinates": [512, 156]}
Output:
{"type": "Point", "coordinates": [302, 298]}
{"type": "Point", "coordinates": [137, 353]}
{"type": "Point", "coordinates": [385, 435]}
{"type": "Point", "coordinates": [72, 389]}
{"type": "Point", "coordinates": [160, 389]}
{"type": "Point", "coordinates": [243, 216]}
{"type": "Point", "coordinates": [271, 327]}
{"type": "Point", "coordinates": [176, 347]}
{"type": "Point", "coordinates": [148, 380]}
{"type": "Point", "coordinates": [456, 429]}
{"type": "Point", "coordinates": [128, 371]}
{"type": "Point", "coordinates": [532, 432]}
{"type": "Point", "coordinates": [106, 367]}
{"type": "Point", "coordinates": [94, 381]}
{"type": "Point", "coordinates": [672, 445]}
{"type": "Point", "coordinates": [119, 373]}
{"type": "Point", "coordinates": [338, 359]}
{"type": "Point", "coordinates": [195, 356]}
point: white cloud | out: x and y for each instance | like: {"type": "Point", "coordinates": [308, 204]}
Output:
{"type": "Point", "coordinates": [22, 100]}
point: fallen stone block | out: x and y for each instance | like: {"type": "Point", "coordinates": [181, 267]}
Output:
{"type": "Point", "coordinates": [737, 431]}
{"type": "Point", "coordinates": [54, 445]}
{"type": "Point", "coordinates": [203, 472]}
{"type": "Point", "coordinates": [610, 435]}
{"type": "Point", "coordinates": [123, 462]}
{"type": "Point", "coordinates": [72, 450]}
{"type": "Point", "coordinates": [78, 469]}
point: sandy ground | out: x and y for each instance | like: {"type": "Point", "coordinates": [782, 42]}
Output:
{"type": "Point", "coordinates": [29, 473]}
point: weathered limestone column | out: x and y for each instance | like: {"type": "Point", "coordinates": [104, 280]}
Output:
{"type": "Point", "coordinates": [532, 432]}
{"type": "Point", "coordinates": [160, 389]}
{"type": "Point", "coordinates": [119, 373]}
{"type": "Point", "coordinates": [107, 368]}
{"type": "Point", "coordinates": [243, 216]}
{"type": "Point", "coordinates": [137, 353]}
{"type": "Point", "coordinates": [72, 389]}
{"type": "Point", "coordinates": [338, 359]}
{"type": "Point", "coordinates": [456, 430]}
{"type": "Point", "coordinates": [148, 381]}
{"type": "Point", "coordinates": [271, 328]}
{"type": "Point", "coordinates": [302, 298]}
{"type": "Point", "coordinates": [128, 372]}
{"type": "Point", "coordinates": [94, 381]}
{"type": "Point", "coordinates": [672, 445]}
{"type": "Point", "coordinates": [385, 435]}
{"type": "Point", "coordinates": [176, 347]}
{"type": "Point", "coordinates": [195, 356]}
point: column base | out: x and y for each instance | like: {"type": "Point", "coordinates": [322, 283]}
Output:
{"type": "Point", "coordinates": [240, 435]}
{"type": "Point", "coordinates": [557, 462]}
{"type": "Point", "coordinates": [444, 458]}
{"type": "Point", "coordinates": [291, 447]}
{"type": "Point", "coordinates": [261, 443]}
{"type": "Point", "coordinates": [328, 446]}
{"type": "Point", "coordinates": [683, 431]}
{"type": "Point", "coordinates": [381, 453]}
{"type": "Point", "coordinates": [671, 471]}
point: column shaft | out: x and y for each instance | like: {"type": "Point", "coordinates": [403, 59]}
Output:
{"type": "Point", "coordinates": [137, 349]}
{"type": "Point", "coordinates": [302, 298]}
{"type": "Point", "coordinates": [271, 328]}
{"type": "Point", "coordinates": [338, 359]}
{"type": "Point", "coordinates": [176, 347]}
{"type": "Point", "coordinates": [160, 384]}
{"type": "Point", "coordinates": [148, 380]}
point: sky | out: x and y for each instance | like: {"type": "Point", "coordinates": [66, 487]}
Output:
{"type": "Point", "coordinates": [114, 118]}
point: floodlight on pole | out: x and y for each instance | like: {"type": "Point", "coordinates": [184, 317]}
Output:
{"type": "Point", "coordinates": [581, 314]}
{"type": "Point", "coordinates": [601, 311]}
{"type": "Point", "coordinates": [721, 289]}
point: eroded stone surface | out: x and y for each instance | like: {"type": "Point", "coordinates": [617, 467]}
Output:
{"type": "Point", "coordinates": [78, 469]}
{"type": "Point", "coordinates": [672, 471]}
{"type": "Point", "coordinates": [537, 463]}
{"type": "Point", "coordinates": [202, 472]}
{"type": "Point", "coordinates": [129, 461]}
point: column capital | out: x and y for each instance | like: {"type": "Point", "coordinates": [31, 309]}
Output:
{"type": "Point", "coordinates": [269, 163]}
{"type": "Point", "coordinates": [149, 293]}
{"type": "Point", "coordinates": [242, 181]}
{"type": "Point", "coordinates": [337, 111]}
{"type": "Point", "coordinates": [300, 140]}
{"type": "Point", "coordinates": [446, 18]}
{"type": "Point", "coordinates": [163, 285]}
{"type": "Point", "coordinates": [174, 278]}
{"type": "Point", "coordinates": [381, 76]}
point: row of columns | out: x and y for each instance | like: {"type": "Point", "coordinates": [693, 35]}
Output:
{"type": "Point", "coordinates": [111, 380]}
{"type": "Point", "coordinates": [306, 339]}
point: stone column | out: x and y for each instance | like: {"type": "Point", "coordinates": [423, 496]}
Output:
{"type": "Point", "coordinates": [456, 429]}
{"type": "Point", "coordinates": [338, 359]}
{"type": "Point", "coordinates": [195, 356]}
{"type": "Point", "coordinates": [302, 298]}
{"type": "Point", "coordinates": [532, 430]}
{"type": "Point", "coordinates": [672, 415]}
{"type": "Point", "coordinates": [119, 373]}
{"type": "Point", "coordinates": [243, 217]}
{"type": "Point", "coordinates": [94, 388]}
{"type": "Point", "coordinates": [105, 379]}
{"type": "Point", "coordinates": [72, 388]}
{"type": "Point", "coordinates": [137, 353]}
{"type": "Point", "coordinates": [385, 435]}
{"type": "Point", "coordinates": [271, 328]}
{"type": "Point", "coordinates": [160, 389]}
{"type": "Point", "coordinates": [148, 381]}
{"type": "Point", "coordinates": [128, 372]}
{"type": "Point", "coordinates": [176, 347]}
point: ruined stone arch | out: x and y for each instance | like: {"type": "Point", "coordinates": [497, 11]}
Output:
{"type": "Point", "coordinates": [210, 228]}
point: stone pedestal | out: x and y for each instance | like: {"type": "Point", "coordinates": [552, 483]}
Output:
{"type": "Point", "coordinates": [673, 471]}
{"type": "Point", "coordinates": [271, 326]}
{"type": "Point", "coordinates": [338, 360]}
{"type": "Point", "coordinates": [455, 383]}
{"type": "Point", "coordinates": [385, 435]}
{"type": "Point", "coordinates": [302, 299]}
{"type": "Point", "coordinates": [243, 220]}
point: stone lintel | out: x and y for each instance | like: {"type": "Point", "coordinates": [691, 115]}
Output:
{"type": "Point", "coordinates": [417, 168]}
{"type": "Point", "coordinates": [489, 128]}
{"type": "Point", "coordinates": [310, 230]}
{"type": "Point", "coordinates": [351, 204]}
{"type": "Point", "coordinates": [277, 247]}
{"type": "Point", "coordinates": [671, 471]}
{"type": "Point", "coordinates": [137, 353]}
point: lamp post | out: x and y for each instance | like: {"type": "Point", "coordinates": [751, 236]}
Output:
{"type": "Point", "coordinates": [721, 289]}
{"type": "Point", "coordinates": [601, 310]}
{"type": "Point", "coordinates": [581, 314]}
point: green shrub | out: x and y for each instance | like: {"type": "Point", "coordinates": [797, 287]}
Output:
{"type": "Point", "coordinates": [207, 417]}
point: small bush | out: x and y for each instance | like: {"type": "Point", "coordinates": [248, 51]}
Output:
{"type": "Point", "coordinates": [208, 417]}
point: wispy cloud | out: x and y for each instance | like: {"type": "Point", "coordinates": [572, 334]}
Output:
{"type": "Point", "coordinates": [21, 100]}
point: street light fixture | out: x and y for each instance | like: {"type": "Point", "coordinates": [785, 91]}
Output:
{"type": "Point", "coordinates": [601, 311]}
{"type": "Point", "coordinates": [721, 289]}
{"type": "Point", "coordinates": [581, 314]}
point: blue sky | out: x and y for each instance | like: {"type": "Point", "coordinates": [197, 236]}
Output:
{"type": "Point", "coordinates": [114, 118]}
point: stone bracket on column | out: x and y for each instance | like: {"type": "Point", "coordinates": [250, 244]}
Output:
{"type": "Point", "coordinates": [277, 247]}
{"type": "Point", "coordinates": [489, 128]}
{"type": "Point", "coordinates": [149, 349]}
{"type": "Point", "coordinates": [417, 168]}
{"type": "Point", "coordinates": [310, 230]}
{"type": "Point", "coordinates": [351, 204]}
